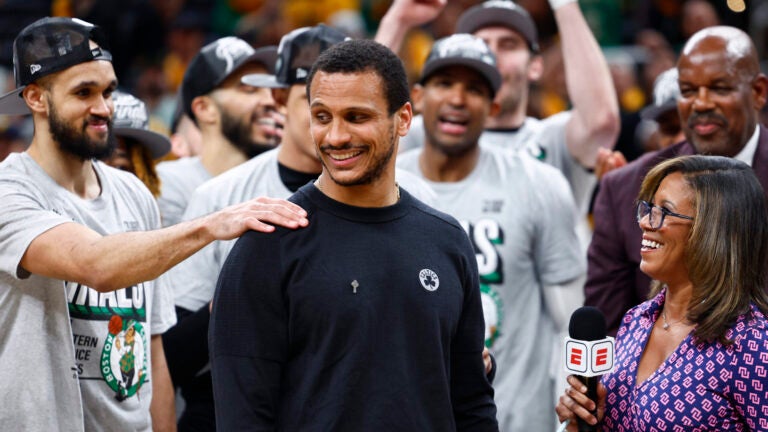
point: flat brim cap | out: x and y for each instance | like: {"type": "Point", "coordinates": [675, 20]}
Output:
{"type": "Point", "coordinates": [131, 120]}
{"type": "Point", "coordinates": [297, 52]}
{"type": "Point", "coordinates": [653, 112]}
{"type": "Point", "coordinates": [12, 103]}
{"type": "Point", "coordinates": [266, 56]}
{"type": "Point", "coordinates": [490, 73]}
{"type": "Point", "coordinates": [216, 62]}
{"type": "Point", "coordinates": [666, 92]}
{"type": "Point", "coordinates": [263, 80]}
{"type": "Point", "coordinates": [463, 50]}
{"type": "Point", "coordinates": [158, 145]}
{"type": "Point", "coordinates": [500, 13]}
{"type": "Point", "coordinates": [47, 46]}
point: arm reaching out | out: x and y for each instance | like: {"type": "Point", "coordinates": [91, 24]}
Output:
{"type": "Point", "coordinates": [404, 15]}
{"type": "Point", "coordinates": [595, 121]}
{"type": "Point", "coordinates": [74, 252]}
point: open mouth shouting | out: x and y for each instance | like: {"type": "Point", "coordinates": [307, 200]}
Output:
{"type": "Point", "coordinates": [453, 124]}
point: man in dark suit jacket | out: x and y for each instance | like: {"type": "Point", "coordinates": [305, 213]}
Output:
{"type": "Point", "coordinates": [722, 92]}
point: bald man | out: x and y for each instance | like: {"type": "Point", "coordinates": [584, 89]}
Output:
{"type": "Point", "coordinates": [722, 92]}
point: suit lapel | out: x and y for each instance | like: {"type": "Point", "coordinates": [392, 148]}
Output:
{"type": "Point", "coordinates": [760, 162]}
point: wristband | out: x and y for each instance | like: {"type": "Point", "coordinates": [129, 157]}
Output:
{"type": "Point", "coordinates": [554, 4]}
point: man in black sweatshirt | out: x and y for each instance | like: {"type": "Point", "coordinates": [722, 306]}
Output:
{"type": "Point", "coordinates": [369, 318]}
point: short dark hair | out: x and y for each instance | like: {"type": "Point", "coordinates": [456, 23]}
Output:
{"type": "Point", "coordinates": [363, 55]}
{"type": "Point", "coordinates": [727, 251]}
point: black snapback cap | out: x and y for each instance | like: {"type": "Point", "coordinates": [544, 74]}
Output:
{"type": "Point", "coordinates": [217, 61]}
{"type": "Point", "coordinates": [296, 54]}
{"type": "Point", "coordinates": [463, 50]}
{"type": "Point", "coordinates": [50, 45]}
{"type": "Point", "coordinates": [502, 13]}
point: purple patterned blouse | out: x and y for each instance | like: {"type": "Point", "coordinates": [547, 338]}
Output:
{"type": "Point", "coordinates": [699, 387]}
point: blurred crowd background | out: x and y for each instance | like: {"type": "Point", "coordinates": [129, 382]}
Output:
{"type": "Point", "coordinates": [152, 42]}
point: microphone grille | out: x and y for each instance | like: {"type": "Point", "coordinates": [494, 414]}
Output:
{"type": "Point", "coordinates": [587, 324]}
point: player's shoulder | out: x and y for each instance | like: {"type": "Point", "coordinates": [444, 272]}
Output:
{"type": "Point", "coordinates": [14, 169]}
{"type": "Point", "coordinates": [120, 177]}
{"type": "Point", "coordinates": [556, 120]}
{"type": "Point", "coordinates": [431, 215]}
{"type": "Point", "coordinates": [242, 174]}
{"type": "Point", "coordinates": [518, 164]}
{"type": "Point", "coordinates": [177, 166]}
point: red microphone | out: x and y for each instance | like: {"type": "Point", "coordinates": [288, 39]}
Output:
{"type": "Point", "coordinates": [588, 352]}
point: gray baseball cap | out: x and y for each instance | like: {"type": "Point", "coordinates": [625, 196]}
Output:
{"type": "Point", "coordinates": [464, 50]}
{"type": "Point", "coordinates": [502, 13]}
{"type": "Point", "coordinates": [666, 92]}
{"type": "Point", "coordinates": [131, 120]}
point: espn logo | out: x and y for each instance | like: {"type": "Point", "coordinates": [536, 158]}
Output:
{"type": "Point", "coordinates": [589, 358]}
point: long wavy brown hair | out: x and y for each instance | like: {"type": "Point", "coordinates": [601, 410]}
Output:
{"type": "Point", "coordinates": [144, 167]}
{"type": "Point", "coordinates": [727, 250]}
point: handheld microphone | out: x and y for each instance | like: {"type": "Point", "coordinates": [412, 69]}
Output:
{"type": "Point", "coordinates": [588, 352]}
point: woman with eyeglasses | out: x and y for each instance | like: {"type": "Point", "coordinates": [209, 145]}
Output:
{"type": "Point", "coordinates": [694, 356]}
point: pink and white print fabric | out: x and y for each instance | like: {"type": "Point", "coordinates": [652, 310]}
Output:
{"type": "Point", "coordinates": [700, 387]}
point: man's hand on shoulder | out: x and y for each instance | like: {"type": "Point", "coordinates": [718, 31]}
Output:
{"type": "Point", "coordinates": [258, 214]}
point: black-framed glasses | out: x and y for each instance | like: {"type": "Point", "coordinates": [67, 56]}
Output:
{"type": "Point", "coordinates": [655, 214]}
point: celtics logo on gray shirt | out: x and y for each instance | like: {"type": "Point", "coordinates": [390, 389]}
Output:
{"type": "Point", "coordinates": [124, 357]}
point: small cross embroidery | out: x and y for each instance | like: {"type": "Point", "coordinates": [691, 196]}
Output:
{"type": "Point", "coordinates": [354, 286]}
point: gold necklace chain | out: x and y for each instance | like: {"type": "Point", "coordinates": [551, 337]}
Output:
{"type": "Point", "coordinates": [666, 324]}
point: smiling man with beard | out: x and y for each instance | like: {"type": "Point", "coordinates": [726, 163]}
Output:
{"type": "Point", "coordinates": [237, 121]}
{"type": "Point", "coordinates": [80, 250]}
{"type": "Point", "coordinates": [722, 92]}
{"type": "Point", "coordinates": [75, 140]}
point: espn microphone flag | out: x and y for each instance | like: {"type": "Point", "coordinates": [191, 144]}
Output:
{"type": "Point", "coordinates": [589, 358]}
{"type": "Point", "coordinates": [588, 352]}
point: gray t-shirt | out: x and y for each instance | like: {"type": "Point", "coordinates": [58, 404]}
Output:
{"type": "Point", "coordinates": [519, 215]}
{"type": "Point", "coordinates": [178, 179]}
{"type": "Point", "coordinates": [545, 141]}
{"type": "Point", "coordinates": [194, 279]}
{"type": "Point", "coordinates": [73, 358]}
